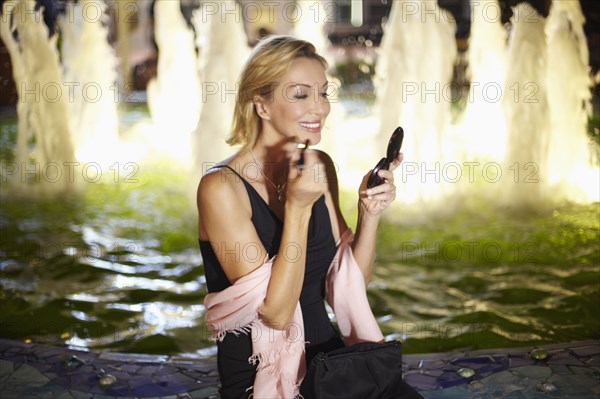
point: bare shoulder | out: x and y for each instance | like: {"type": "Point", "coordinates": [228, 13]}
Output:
{"type": "Point", "coordinates": [220, 197]}
{"type": "Point", "coordinates": [221, 185]}
{"type": "Point", "coordinates": [214, 186]}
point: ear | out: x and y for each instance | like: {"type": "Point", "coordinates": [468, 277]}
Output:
{"type": "Point", "coordinates": [261, 107]}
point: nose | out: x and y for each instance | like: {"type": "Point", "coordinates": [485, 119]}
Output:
{"type": "Point", "coordinates": [321, 106]}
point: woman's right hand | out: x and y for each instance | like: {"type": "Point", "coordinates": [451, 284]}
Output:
{"type": "Point", "coordinates": [306, 184]}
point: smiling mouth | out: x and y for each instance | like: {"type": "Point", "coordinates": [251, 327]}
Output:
{"type": "Point", "coordinates": [311, 125]}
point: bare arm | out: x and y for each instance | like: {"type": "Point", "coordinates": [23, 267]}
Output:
{"type": "Point", "coordinates": [287, 275]}
{"type": "Point", "coordinates": [236, 244]}
{"type": "Point", "coordinates": [370, 205]}
{"type": "Point", "coordinates": [363, 246]}
{"type": "Point", "coordinates": [369, 212]}
{"type": "Point", "coordinates": [239, 249]}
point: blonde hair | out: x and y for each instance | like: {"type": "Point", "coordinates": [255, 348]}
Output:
{"type": "Point", "coordinates": [268, 62]}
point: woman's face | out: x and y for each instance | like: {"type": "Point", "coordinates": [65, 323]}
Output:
{"type": "Point", "coordinates": [299, 104]}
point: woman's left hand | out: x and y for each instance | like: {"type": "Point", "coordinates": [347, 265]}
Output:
{"type": "Point", "coordinates": [375, 199]}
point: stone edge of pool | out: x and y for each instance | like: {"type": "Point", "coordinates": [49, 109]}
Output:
{"type": "Point", "coordinates": [29, 370]}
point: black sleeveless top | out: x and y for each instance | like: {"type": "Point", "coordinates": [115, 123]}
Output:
{"type": "Point", "coordinates": [233, 352]}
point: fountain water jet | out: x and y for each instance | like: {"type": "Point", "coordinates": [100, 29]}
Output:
{"type": "Point", "coordinates": [37, 71]}
{"type": "Point", "coordinates": [174, 96]}
{"type": "Point", "coordinates": [416, 62]}
{"type": "Point", "coordinates": [526, 110]}
{"type": "Point", "coordinates": [569, 82]}
{"type": "Point", "coordinates": [417, 54]}
{"type": "Point", "coordinates": [309, 24]}
{"type": "Point", "coordinates": [89, 62]}
{"type": "Point", "coordinates": [482, 130]}
{"type": "Point", "coordinates": [220, 66]}
{"type": "Point", "coordinates": [534, 134]}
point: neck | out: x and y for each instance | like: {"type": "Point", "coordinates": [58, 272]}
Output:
{"type": "Point", "coordinates": [272, 163]}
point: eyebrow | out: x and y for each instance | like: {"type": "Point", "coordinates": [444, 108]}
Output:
{"type": "Point", "coordinates": [310, 86]}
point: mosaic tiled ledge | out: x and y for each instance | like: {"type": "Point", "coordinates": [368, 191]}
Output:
{"type": "Point", "coordinates": [43, 371]}
{"type": "Point", "coordinates": [570, 371]}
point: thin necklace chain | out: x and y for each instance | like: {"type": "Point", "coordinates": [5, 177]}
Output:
{"type": "Point", "coordinates": [278, 187]}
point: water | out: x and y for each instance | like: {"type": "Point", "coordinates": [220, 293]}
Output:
{"type": "Point", "coordinates": [418, 51]}
{"type": "Point", "coordinates": [524, 127]}
{"type": "Point", "coordinates": [487, 70]}
{"type": "Point", "coordinates": [38, 72]}
{"type": "Point", "coordinates": [568, 56]}
{"type": "Point", "coordinates": [89, 63]}
{"type": "Point", "coordinates": [527, 112]}
{"type": "Point", "coordinates": [119, 268]}
{"type": "Point", "coordinates": [116, 268]}
{"type": "Point", "coordinates": [174, 95]}
{"type": "Point", "coordinates": [220, 68]}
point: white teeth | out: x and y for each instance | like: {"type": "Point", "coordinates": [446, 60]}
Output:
{"type": "Point", "coordinates": [310, 125]}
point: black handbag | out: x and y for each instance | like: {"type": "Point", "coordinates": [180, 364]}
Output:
{"type": "Point", "coordinates": [368, 370]}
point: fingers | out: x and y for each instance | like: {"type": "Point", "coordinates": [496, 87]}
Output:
{"type": "Point", "coordinates": [294, 172]}
{"type": "Point", "coordinates": [312, 170]}
{"type": "Point", "coordinates": [387, 175]}
{"type": "Point", "coordinates": [297, 155]}
{"type": "Point", "coordinates": [381, 196]}
{"type": "Point", "coordinates": [302, 159]}
{"type": "Point", "coordinates": [296, 167]}
{"type": "Point", "coordinates": [383, 192]}
{"type": "Point", "coordinates": [294, 156]}
{"type": "Point", "coordinates": [396, 162]}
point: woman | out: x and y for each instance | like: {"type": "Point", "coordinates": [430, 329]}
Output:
{"type": "Point", "coordinates": [259, 206]}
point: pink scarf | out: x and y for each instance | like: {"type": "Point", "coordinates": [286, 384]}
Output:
{"type": "Point", "coordinates": [280, 353]}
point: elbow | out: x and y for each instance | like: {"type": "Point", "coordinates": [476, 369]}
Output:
{"type": "Point", "coordinates": [276, 318]}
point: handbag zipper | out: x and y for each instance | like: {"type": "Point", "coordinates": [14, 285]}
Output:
{"type": "Point", "coordinates": [322, 355]}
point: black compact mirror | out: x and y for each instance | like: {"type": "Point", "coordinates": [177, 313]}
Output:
{"type": "Point", "coordinates": [393, 150]}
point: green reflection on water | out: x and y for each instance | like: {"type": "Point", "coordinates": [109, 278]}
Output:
{"type": "Point", "coordinates": [492, 278]}
{"type": "Point", "coordinates": [119, 268]}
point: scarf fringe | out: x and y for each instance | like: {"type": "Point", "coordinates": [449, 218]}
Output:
{"type": "Point", "coordinates": [219, 334]}
{"type": "Point", "coordinates": [268, 362]}
{"type": "Point", "coordinates": [270, 357]}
